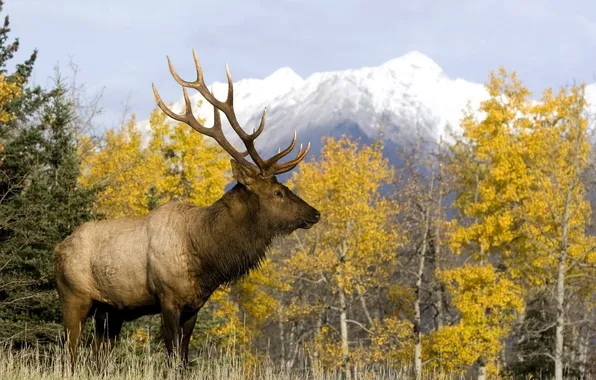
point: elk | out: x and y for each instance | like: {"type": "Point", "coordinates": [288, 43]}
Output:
{"type": "Point", "coordinates": [171, 260]}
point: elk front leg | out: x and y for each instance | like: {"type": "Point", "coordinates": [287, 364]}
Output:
{"type": "Point", "coordinates": [170, 323]}
{"type": "Point", "coordinates": [188, 324]}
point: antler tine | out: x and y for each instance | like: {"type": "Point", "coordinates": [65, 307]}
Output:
{"type": "Point", "coordinates": [228, 109]}
{"type": "Point", "coordinates": [197, 65]}
{"type": "Point", "coordinates": [179, 117]}
{"type": "Point", "coordinates": [230, 97]}
{"type": "Point", "coordinates": [256, 133]}
{"type": "Point", "coordinates": [280, 154]}
{"type": "Point", "coordinates": [289, 165]}
{"type": "Point", "coordinates": [181, 81]}
{"type": "Point", "coordinates": [163, 106]}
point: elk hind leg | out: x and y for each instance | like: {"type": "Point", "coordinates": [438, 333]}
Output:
{"type": "Point", "coordinates": [76, 309]}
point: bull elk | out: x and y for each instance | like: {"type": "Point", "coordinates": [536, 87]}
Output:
{"type": "Point", "coordinates": [171, 260]}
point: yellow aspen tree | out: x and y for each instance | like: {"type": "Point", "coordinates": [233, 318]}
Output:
{"type": "Point", "coordinates": [353, 247]}
{"type": "Point", "coordinates": [519, 188]}
{"type": "Point", "coordinates": [559, 158]}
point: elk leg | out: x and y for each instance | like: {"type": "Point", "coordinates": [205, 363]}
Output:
{"type": "Point", "coordinates": [75, 313]}
{"type": "Point", "coordinates": [107, 329]}
{"type": "Point", "coordinates": [188, 324]}
{"type": "Point", "coordinates": [170, 322]}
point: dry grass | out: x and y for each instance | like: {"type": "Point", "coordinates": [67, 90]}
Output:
{"type": "Point", "coordinates": [127, 362]}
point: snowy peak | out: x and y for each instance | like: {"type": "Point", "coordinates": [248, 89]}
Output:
{"type": "Point", "coordinates": [284, 75]}
{"type": "Point", "coordinates": [413, 61]}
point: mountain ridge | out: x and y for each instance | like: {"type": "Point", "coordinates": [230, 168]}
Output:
{"type": "Point", "coordinates": [408, 96]}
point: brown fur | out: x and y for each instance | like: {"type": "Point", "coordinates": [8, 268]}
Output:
{"type": "Point", "coordinates": [171, 260]}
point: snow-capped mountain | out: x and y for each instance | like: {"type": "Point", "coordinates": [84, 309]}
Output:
{"type": "Point", "coordinates": [409, 95]}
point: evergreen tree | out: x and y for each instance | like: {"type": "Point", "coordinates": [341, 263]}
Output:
{"type": "Point", "coordinates": [43, 208]}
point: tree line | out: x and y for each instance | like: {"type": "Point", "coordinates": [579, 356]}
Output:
{"type": "Point", "coordinates": [475, 257]}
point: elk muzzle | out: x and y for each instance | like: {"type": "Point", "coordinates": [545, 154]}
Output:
{"type": "Point", "coordinates": [312, 219]}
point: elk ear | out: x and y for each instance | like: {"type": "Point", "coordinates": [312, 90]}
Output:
{"type": "Point", "coordinates": [242, 174]}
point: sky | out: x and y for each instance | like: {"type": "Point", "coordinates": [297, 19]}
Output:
{"type": "Point", "coordinates": [120, 46]}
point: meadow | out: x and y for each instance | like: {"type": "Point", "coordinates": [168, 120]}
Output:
{"type": "Point", "coordinates": [127, 362]}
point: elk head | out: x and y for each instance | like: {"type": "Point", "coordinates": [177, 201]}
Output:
{"type": "Point", "coordinates": [276, 205]}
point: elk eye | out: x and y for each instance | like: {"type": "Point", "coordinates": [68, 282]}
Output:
{"type": "Point", "coordinates": [278, 193]}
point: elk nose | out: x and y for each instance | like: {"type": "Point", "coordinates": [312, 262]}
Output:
{"type": "Point", "coordinates": [317, 215]}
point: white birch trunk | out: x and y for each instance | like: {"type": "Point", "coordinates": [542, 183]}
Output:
{"type": "Point", "coordinates": [562, 267]}
{"type": "Point", "coordinates": [343, 324]}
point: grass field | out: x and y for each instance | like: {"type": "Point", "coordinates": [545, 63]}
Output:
{"type": "Point", "coordinates": [126, 362]}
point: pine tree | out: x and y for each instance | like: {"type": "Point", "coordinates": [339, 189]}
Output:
{"type": "Point", "coordinates": [349, 257]}
{"type": "Point", "coordinates": [45, 205]}
{"type": "Point", "coordinates": [17, 104]}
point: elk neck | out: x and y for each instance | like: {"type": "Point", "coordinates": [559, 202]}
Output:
{"type": "Point", "coordinates": [231, 238]}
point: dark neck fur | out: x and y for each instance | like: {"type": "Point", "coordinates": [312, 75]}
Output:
{"type": "Point", "coordinates": [231, 238]}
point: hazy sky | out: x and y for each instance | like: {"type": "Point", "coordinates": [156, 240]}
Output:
{"type": "Point", "coordinates": [120, 45]}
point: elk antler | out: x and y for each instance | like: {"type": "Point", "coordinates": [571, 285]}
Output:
{"type": "Point", "coordinates": [267, 168]}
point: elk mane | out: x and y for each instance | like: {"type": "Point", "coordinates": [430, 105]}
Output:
{"type": "Point", "coordinates": [221, 255]}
